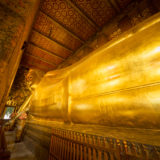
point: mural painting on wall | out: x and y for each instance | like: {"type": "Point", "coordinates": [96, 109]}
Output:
{"type": "Point", "coordinates": [20, 89]}
{"type": "Point", "coordinates": [18, 6]}
{"type": "Point", "coordinates": [24, 84]}
{"type": "Point", "coordinates": [8, 41]}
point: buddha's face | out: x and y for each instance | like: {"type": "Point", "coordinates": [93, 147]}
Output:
{"type": "Point", "coordinates": [33, 78]}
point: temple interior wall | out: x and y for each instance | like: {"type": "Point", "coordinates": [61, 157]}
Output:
{"type": "Point", "coordinates": [16, 19]}
{"type": "Point", "coordinates": [93, 102]}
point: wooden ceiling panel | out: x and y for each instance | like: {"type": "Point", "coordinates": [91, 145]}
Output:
{"type": "Point", "coordinates": [100, 11]}
{"type": "Point", "coordinates": [35, 51]}
{"type": "Point", "coordinates": [45, 43]}
{"type": "Point", "coordinates": [68, 16]}
{"type": "Point", "coordinates": [34, 66]}
{"type": "Point", "coordinates": [49, 28]}
{"type": "Point", "coordinates": [123, 3]}
{"type": "Point", "coordinates": [27, 59]}
{"type": "Point", "coordinates": [63, 26]}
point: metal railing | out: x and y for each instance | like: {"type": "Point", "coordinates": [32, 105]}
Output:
{"type": "Point", "coordinates": [71, 145]}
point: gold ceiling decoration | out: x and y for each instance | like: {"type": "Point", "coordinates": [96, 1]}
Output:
{"type": "Point", "coordinates": [61, 27]}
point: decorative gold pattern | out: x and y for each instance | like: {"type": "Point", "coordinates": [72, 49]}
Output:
{"type": "Point", "coordinates": [46, 26]}
{"type": "Point", "coordinates": [33, 63]}
{"type": "Point", "coordinates": [57, 16]}
{"type": "Point", "coordinates": [69, 17]}
{"type": "Point", "coordinates": [48, 45]}
{"type": "Point", "coordinates": [100, 11]}
{"type": "Point", "coordinates": [68, 144]}
{"type": "Point", "coordinates": [35, 51]}
{"type": "Point", "coordinates": [20, 89]}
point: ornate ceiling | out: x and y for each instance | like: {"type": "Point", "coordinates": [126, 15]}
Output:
{"type": "Point", "coordinates": [63, 26]}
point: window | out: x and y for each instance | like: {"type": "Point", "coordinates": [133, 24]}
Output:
{"type": "Point", "coordinates": [8, 112]}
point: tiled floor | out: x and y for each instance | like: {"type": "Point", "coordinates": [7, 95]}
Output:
{"type": "Point", "coordinates": [18, 150]}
